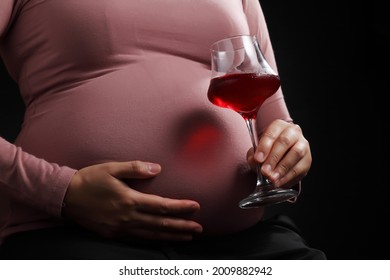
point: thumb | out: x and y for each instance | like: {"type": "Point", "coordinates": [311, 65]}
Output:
{"type": "Point", "coordinates": [134, 169]}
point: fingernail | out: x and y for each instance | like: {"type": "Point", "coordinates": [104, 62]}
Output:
{"type": "Point", "coordinates": [154, 168]}
{"type": "Point", "coordinates": [275, 176]}
{"type": "Point", "coordinates": [267, 168]}
{"type": "Point", "coordinates": [194, 206]}
{"type": "Point", "coordinates": [199, 229]}
{"type": "Point", "coordinates": [259, 157]}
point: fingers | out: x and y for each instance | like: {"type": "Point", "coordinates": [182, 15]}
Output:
{"type": "Point", "coordinates": [284, 153]}
{"type": "Point", "coordinates": [133, 169]}
{"type": "Point", "coordinates": [289, 177]}
{"type": "Point", "coordinates": [99, 200]}
{"type": "Point", "coordinates": [277, 137]}
{"type": "Point", "coordinates": [161, 218]}
{"type": "Point", "coordinates": [282, 158]}
{"type": "Point", "coordinates": [166, 206]}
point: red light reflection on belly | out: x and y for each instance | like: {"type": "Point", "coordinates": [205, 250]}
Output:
{"type": "Point", "coordinates": [200, 144]}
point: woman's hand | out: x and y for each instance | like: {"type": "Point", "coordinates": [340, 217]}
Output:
{"type": "Point", "coordinates": [98, 200]}
{"type": "Point", "coordinates": [284, 154]}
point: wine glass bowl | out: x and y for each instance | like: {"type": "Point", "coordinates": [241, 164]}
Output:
{"type": "Point", "coordinates": [241, 80]}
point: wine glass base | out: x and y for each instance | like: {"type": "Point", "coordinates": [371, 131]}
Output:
{"type": "Point", "coordinates": [265, 198]}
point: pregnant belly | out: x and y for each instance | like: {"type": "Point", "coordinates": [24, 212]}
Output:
{"type": "Point", "coordinates": [201, 148]}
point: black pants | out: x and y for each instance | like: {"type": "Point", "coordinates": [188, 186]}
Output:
{"type": "Point", "coordinates": [272, 239]}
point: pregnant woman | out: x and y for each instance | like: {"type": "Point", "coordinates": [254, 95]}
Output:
{"type": "Point", "coordinates": [121, 155]}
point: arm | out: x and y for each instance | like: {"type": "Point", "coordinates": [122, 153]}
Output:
{"type": "Point", "coordinates": [283, 150]}
{"type": "Point", "coordinates": [22, 176]}
{"type": "Point", "coordinates": [33, 181]}
{"type": "Point", "coordinates": [275, 106]}
{"type": "Point", "coordinates": [95, 197]}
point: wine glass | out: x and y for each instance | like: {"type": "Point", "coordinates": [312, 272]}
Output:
{"type": "Point", "coordinates": [241, 81]}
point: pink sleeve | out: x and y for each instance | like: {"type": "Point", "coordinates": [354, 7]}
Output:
{"type": "Point", "coordinates": [31, 180]}
{"type": "Point", "coordinates": [24, 177]}
{"type": "Point", "coordinates": [275, 106]}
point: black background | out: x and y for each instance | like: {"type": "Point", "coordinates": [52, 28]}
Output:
{"type": "Point", "coordinates": [330, 56]}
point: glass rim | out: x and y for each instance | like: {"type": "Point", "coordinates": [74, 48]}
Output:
{"type": "Point", "coordinates": [230, 38]}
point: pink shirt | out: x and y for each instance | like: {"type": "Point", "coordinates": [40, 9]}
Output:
{"type": "Point", "coordinates": [125, 80]}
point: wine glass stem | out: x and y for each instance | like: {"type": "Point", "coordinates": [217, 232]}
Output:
{"type": "Point", "coordinates": [252, 128]}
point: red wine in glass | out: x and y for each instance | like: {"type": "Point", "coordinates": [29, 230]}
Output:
{"type": "Point", "coordinates": [243, 93]}
{"type": "Point", "coordinates": [242, 80]}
